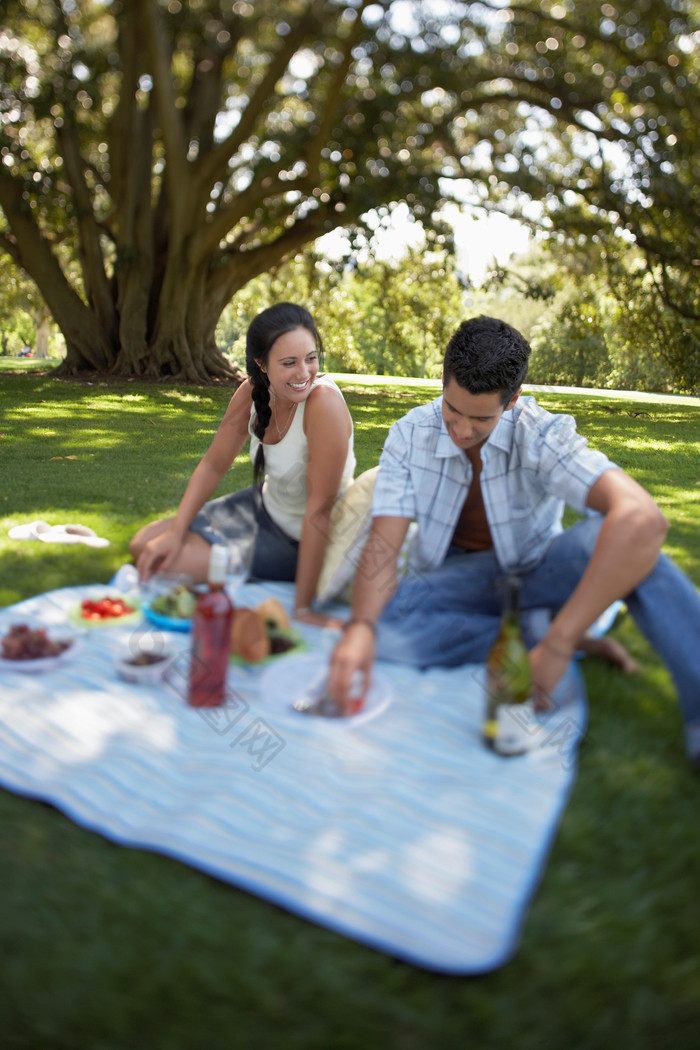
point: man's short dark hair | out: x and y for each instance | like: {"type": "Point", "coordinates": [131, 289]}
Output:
{"type": "Point", "coordinates": [487, 356]}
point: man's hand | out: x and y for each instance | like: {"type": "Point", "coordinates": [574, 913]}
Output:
{"type": "Point", "coordinates": [375, 582]}
{"type": "Point", "coordinates": [548, 660]}
{"type": "Point", "coordinates": [354, 653]}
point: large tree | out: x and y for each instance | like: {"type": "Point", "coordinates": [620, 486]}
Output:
{"type": "Point", "coordinates": [158, 154]}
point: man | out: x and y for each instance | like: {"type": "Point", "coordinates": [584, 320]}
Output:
{"type": "Point", "coordinates": [486, 474]}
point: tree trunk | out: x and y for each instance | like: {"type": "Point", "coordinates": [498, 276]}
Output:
{"type": "Point", "coordinates": [179, 342]}
{"type": "Point", "coordinates": [41, 348]}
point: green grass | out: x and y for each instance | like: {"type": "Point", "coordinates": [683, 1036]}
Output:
{"type": "Point", "coordinates": [23, 365]}
{"type": "Point", "coordinates": [106, 948]}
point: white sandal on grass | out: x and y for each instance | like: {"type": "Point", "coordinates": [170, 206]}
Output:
{"type": "Point", "coordinates": [41, 530]}
{"type": "Point", "coordinates": [27, 531]}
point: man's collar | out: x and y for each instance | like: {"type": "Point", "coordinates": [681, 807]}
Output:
{"type": "Point", "coordinates": [501, 436]}
{"type": "Point", "coordinates": [445, 447]}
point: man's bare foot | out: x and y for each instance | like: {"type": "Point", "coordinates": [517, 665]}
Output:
{"type": "Point", "coordinates": [612, 651]}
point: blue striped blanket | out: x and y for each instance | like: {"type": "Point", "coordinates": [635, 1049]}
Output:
{"type": "Point", "coordinates": [401, 831]}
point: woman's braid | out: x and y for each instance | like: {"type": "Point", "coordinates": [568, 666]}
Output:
{"type": "Point", "coordinates": [263, 413]}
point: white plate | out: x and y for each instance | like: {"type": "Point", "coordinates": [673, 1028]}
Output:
{"type": "Point", "coordinates": [290, 679]}
{"type": "Point", "coordinates": [43, 663]}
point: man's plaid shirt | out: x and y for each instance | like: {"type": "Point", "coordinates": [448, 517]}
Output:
{"type": "Point", "coordinates": [534, 463]}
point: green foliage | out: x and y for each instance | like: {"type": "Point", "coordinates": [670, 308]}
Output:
{"type": "Point", "coordinates": [640, 174]}
{"type": "Point", "coordinates": [309, 279]}
{"type": "Point", "coordinates": [648, 341]}
{"type": "Point", "coordinates": [595, 317]}
{"type": "Point", "coordinates": [414, 305]}
{"type": "Point", "coordinates": [19, 306]}
{"type": "Point", "coordinates": [637, 349]}
{"type": "Point", "coordinates": [568, 344]}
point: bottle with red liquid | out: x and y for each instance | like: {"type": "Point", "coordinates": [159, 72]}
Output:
{"type": "Point", "coordinates": [211, 636]}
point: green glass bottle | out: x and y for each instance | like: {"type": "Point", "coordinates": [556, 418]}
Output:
{"type": "Point", "coordinates": [508, 681]}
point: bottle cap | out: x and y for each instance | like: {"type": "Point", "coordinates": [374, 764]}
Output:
{"type": "Point", "coordinates": [218, 563]}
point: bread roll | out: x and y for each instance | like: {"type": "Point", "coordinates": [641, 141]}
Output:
{"type": "Point", "coordinates": [249, 637]}
{"type": "Point", "coordinates": [273, 612]}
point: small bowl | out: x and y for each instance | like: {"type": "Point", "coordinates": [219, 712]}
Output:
{"type": "Point", "coordinates": [145, 666]}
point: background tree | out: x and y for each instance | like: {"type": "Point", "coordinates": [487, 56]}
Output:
{"type": "Point", "coordinates": [408, 307]}
{"type": "Point", "coordinates": [24, 318]}
{"type": "Point", "coordinates": [174, 150]}
{"type": "Point", "coordinates": [568, 343]}
{"type": "Point", "coordinates": [653, 344]}
{"type": "Point", "coordinates": [594, 315]}
{"type": "Point", "coordinates": [391, 316]}
{"type": "Point", "coordinates": [650, 346]}
{"type": "Point", "coordinates": [307, 278]}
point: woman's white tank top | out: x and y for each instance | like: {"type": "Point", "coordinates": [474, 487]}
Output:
{"type": "Point", "coordinates": [284, 487]}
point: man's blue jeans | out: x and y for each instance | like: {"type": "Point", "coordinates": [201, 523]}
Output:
{"type": "Point", "coordinates": [450, 616]}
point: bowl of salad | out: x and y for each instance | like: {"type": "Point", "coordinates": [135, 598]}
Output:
{"type": "Point", "coordinates": [169, 602]}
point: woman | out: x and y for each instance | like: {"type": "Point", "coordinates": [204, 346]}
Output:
{"type": "Point", "coordinates": [301, 443]}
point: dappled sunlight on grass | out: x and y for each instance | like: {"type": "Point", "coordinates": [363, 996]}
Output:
{"type": "Point", "coordinates": [651, 443]}
{"type": "Point", "coordinates": [82, 423]}
{"type": "Point", "coordinates": [29, 567]}
{"type": "Point", "coordinates": [185, 397]}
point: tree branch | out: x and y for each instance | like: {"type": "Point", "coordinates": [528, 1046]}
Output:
{"type": "Point", "coordinates": [33, 253]}
{"type": "Point", "coordinates": [94, 277]}
{"type": "Point", "coordinates": [211, 167]}
{"type": "Point", "coordinates": [225, 280]}
{"type": "Point", "coordinates": [208, 236]}
{"type": "Point", "coordinates": [172, 125]}
{"type": "Point", "coordinates": [205, 95]}
{"type": "Point", "coordinates": [312, 154]}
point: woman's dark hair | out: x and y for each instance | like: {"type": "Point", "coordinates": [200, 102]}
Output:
{"type": "Point", "coordinates": [263, 331]}
{"type": "Point", "coordinates": [487, 356]}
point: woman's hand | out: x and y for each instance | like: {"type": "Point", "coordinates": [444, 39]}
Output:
{"type": "Point", "coordinates": [158, 554]}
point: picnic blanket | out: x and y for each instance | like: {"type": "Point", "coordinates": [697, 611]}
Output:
{"type": "Point", "coordinates": [403, 831]}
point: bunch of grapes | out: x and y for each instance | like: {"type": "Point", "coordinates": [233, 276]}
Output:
{"type": "Point", "coordinates": [30, 643]}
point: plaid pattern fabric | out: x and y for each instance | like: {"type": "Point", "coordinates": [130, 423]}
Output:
{"type": "Point", "coordinates": [534, 463]}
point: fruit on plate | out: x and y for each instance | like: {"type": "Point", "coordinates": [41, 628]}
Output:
{"type": "Point", "coordinates": [262, 632]}
{"type": "Point", "coordinates": [274, 614]}
{"type": "Point", "coordinates": [104, 609]}
{"type": "Point", "coordinates": [249, 637]}
{"type": "Point", "coordinates": [31, 643]}
{"type": "Point", "coordinates": [178, 603]}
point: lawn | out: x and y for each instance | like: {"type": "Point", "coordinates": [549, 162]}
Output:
{"type": "Point", "coordinates": [106, 948]}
